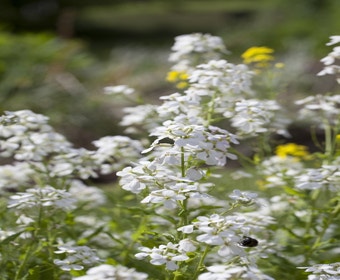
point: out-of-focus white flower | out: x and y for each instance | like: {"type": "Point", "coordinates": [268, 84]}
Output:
{"type": "Point", "coordinates": [120, 89]}
{"type": "Point", "coordinates": [42, 197]}
{"type": "Point", "coordinates": [27, 136]}
{"type": "Point", "coordinates": [140, 118]}
{"type": "Point", "coordinates": [317, 108]}
{"type": "Point", "coordinates": [88, 195]}
{"type": "Point", "coordinates": [190, 50]}
{"type": "Point", "coordinates": [330, 61]}
{"type": "Point", "coordinates": [329, 271]}
{"type": "Point", "coordinates": [168, 197]}
{"type": "Point", "coordinates": [15, 176]}
{"type": "Point", "coordinates": [115, 152]}
{"type": "Point", "coordinates": [253, 116]}
{"type": "Point", "coordinates": [223, 272]}
{"type": "Point", "coordinates": [109, 272]}
{"type": "Point", "coordinates": [75, 162]}
{"type": "Point", "coordinates": [244, 198]}
{"type": "Point", "coordinates": [310, 179]}
{"type": "Point", "coordinates": [280, 171]}
{"type": "Point", "coordinates": [76, 257]}
{"type": "Point", "coordinates": [165, 254]}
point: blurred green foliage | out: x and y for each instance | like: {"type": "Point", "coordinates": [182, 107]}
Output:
{"type": "Point", "coordinates": [54, 77]}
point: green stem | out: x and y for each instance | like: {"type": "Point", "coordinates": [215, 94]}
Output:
{"type": "Point", "coordinates": [328, 141]}
{"type": "Point", "coordinates": [200, 264]}
{"type": "Point", "coordinates": [182, 162]}
{"type": "Point", "coordinates": [23, 264]}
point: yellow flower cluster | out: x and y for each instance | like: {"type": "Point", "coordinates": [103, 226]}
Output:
{"type": "Point", "coordinates": [291, 149]}
{"type": "Point", "coordinates": [259, 56]}
{"type": "Point", "coordinates": [178, 77]}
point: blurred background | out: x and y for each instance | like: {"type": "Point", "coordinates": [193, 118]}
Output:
{"type": "Point", "coordinates": [57, 55]}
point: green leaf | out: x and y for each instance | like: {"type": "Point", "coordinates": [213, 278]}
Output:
{"type": "Point", "coordinates": [11, 238]}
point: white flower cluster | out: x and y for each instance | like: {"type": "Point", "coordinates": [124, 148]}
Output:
{"type": "Point", "coordinates": [42, 197]}
{"type": "Point", "coordinates": [218, 77]}
{"type": "Point", "coordinates": [209, 144]}
{"type": "Point", "coordinates": [193, 49]}
{"type": "Point", "coordinates": [280, 171]}
{"type": "Point", "coordinates": [222, 272]}
{"type": "Point", "coordinates": [225, 232]}
{"type": "Point", "coordinates": [109, 272]}
{"type": "Point", "coordinates": [323, 271]}
{"type": "Point", "coordinates": [27, 136]}
{"type": "Point", "coordinates": [13, 177]}
{"type": "Point", "coordinates": [115, 152]}
{"type": "Point", "coordinates": [253, 116]}
{"type": "Point", "coordinates": [319, 108]}
{"type": "Point", "coordinates": [331, 68]}
{"type": "Point", "coordinates": [168, 254]}
{"type": "Point", "coordinates": [77, 257]}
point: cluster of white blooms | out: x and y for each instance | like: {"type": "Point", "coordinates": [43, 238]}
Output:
{"type": "Point", "coordinates": [279, 171]}
{"type": "Point", "coordinates": [320, 108]}
{"type": "Point", "coordinates": [115, 152]}
{"type": "Point", "coordinates": [244, 198]}
{"type": "Point", "coordinates": [331, 60]}
{"type": "Point", "coordinates": [27, 136]}
{"type": "Point", "coordinates": [329, 271]}
{"type": "Point", "coordinates": [109, 272]}
{"type": "Point", "coordinates": [16, 176]}
{"type": "Point", "coordinates": [77, 257]}
{"type": "Point", "coordinates": [187, 144]}
{"type": "Point", "coordinates": [76, 162]}
{"type": "Point", "coordinates": [220, 79]}
{"type": "Point", "coordinates": [315, 178]}
{"type": "Point", "coordinates": [140, 118]}
{"type": "Point", "coordinates": [42, 197]}
{"type": "Point", "coordinates": [192, 49]}
{"type": "Point", "coordinates": [209, 144]}
{"type": "Point", "coordinates": [253, 116]}
{"type": "Point", "coordinates": [88, 196]}
{"type": "Point", "coordinates": [168, 254]}
{"type": "Point", "coordinates": [232, 272]}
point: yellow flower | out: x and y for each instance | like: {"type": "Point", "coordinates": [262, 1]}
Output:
{"type": "Point", "coordinates": [260, 56]}
{"type": "Point", "coordinates": [291, 149]}
{"type": "Point", "coordinates": [178, 77]}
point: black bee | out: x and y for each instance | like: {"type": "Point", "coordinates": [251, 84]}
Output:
{"type": "Point", "coordinates": [248, 242]}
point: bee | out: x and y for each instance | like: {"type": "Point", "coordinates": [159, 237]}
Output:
{"type": "Point", "coordinates": [248, 242]}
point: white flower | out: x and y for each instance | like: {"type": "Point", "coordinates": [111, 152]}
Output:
{"type": "Point", "coordinates": [115, 152]}
{"type": "Point", "coordinates": [88, 196]}
{"type": "Point", "coordinates": [311, 180]}
{"type": "Point", "coordinates": [15, 176]}
{"type": "Point", "coordinates": [140, 118]}
{"type": "Point", "coordinates": [168, 197]}
{"type": "Point", "coordinates": [192, 49]}
{"type": "Point", "coordinates": [76, 257]}
{"type": "Point", "coordinates": [121, 89]}
{"type": "Point", "coordinates": [76, 162]}
{"type": "Point", "coordinates": [165, 254]}
{"type": "Point", "coordinates": [244, 198]}
{"type": "Point", "coordinates": [224, 272]}
{"type": "Point", "coordinates": [331, 60]}
{"type": "Point", "coordinates": [221, 80]}
{"type": "Point", "coordinates": [109, 272]}
{"type": "Point", "coordinates": [45, 197]}
{"type": "Point", "coordinates": [253, 116]}
{"type": "Point", "coordinates": [323, 271]}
